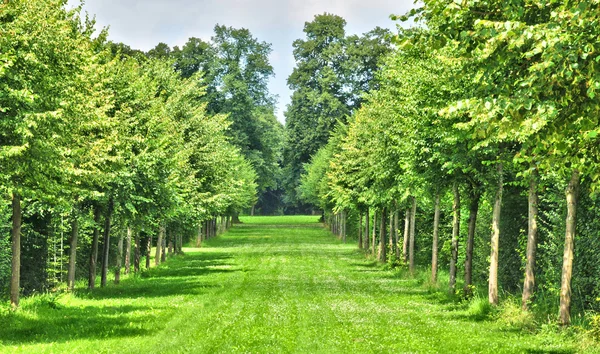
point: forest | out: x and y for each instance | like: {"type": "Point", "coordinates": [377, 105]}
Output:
{"type": "Point", "coordinates": [461, 148]}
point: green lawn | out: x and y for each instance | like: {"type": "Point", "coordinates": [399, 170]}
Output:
{"type": "Point", "coordinates": [270, 285]}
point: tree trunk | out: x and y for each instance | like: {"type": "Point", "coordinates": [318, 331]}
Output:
{"type": "Point", "coordinates": [119, 259]}
{"type": "Point", "coordinates": [397, 231]}
{"type": "Point", "coordinates": [529, 283]}
{"type": "Point", "coordinates": [374, 235]}
{"type": "Point", "coordinates": [73, 251]}
{"type": "Point", "coordinates": [235, 218]}
{"type": "Point", "coordinates": [106, 248]}
{"type": "Point", "coordinates": [128, 251]}
{"type": "Point", "coordinates": [567, 268]}
{"type": "Point", "coordinates": [15, 278]}
{"type": "Point", "coordinates": [94, 251]}
{"type": "Point", "coordinates": [344, 226]}
{"type": "Point", "coordinates": [411, 247]}
{"type": "Point", "coordinates": [493, 286]}
{"type": "Point", "coordinates": [163, 254]}
{"type": "Point", "coordinates": [434, 247]}
{"type": "Point", "coordinates": [367, 233]}
{"type": "Point", "coordinates": [405, 237]}
{"type": "Point", "coordinates": [161, 232]}
{"type": "Point", "coordinates": [252, 211]}
{"type": "Point", "coordinates": [148, 251]}
{"type": "Point", "coordinates": [382, 243]}
{"type": "Point", "coordinates": [473, 209]}
{"type": "Point", "coordinates": [455, 233]}
{"type": "Point", "coordinates": [137, 254]}
{"type": "Point", "coordinates": [360, 230]}
{"type": "Point", "coordinates": [391, 235]}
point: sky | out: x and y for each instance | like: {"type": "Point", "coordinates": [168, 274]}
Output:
{"type": "Point", "coordinates": [142, 24]}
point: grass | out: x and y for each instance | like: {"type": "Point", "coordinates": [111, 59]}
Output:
{"type": "Point", "coordinates": [270, 285]}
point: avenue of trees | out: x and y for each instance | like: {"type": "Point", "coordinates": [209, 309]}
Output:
{"type": "Point", "coordinates": [106, 152]}
{"type": "Point", "coordinates": [476, 154]}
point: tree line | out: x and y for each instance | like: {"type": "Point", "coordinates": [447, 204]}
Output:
{"type": "Point", "coordinates": [98, 141]}
{"type": "Point", "coordinates": [482, 134]}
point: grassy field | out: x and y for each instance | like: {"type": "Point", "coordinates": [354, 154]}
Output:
{"type": "Point", "coordinates": [270, 285]}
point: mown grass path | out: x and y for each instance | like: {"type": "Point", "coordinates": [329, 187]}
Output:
{"type": "Point", "coordinates": [271, 285]}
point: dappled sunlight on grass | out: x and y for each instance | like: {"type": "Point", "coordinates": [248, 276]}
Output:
{"type": "Point", "coordinates": [266, 289]}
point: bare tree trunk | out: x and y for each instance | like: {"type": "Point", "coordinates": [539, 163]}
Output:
{"type": "Point", "coordinates": [434, 247]}
{"type": "Point", "coordinates": [137, 254]}
{"type": "Point", "coordinates": [15, 278]}
{"type": "Point", "coordinates": [529, 283]}
{"type": "Point", "coordinates": [455, 233]}
{"type": "Point", "coordinates": [344, 226]}
{"type": "Point", "coordinates": [391, 235]}
{"type": "Point", "coordinates": [473, 209]}
{"type": "Point", "coordinates": [397, 231]}
{"type": "Point", "coordinates": [199, 236]}
{"type": "Point", "coordinates": [411, 247]}
{"type": "Point", "coordinates": [106, 246]}
{"type": "Point", "coordinates": [382, 243]}
{"type": "Point", "coordinates": [567, 268]}
{"type": "Point", "coordinates": [367, 229]}
{"type": "Point", "coordinates": [148, 251]}
{"type": "Point", "coordinates": [360, 231]}
{"type": "Point", "coordinates": [128, 251]}
{"type": "Point", "coordinates": [373, 243]}
{"type": "Point", "coordinates": [161, 232]}
{"type": "Point", "coordinates": [171, 244]}
{"type": "Point", "coordinates": [405, 237]}
{"type": "Point", "coordinates": [163, 254]}
{"type": "Point", "coordinates": [119, 259]}
{"type": "Point", "coordinates": [493, 286]}
{"type": "Point", "coordinates": [94, 251]}
{"type": "Point", "coordinates": [73, 251]}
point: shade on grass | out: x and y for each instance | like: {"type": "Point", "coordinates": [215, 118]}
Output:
{"type": "Point", "coordinates": [270, 285]}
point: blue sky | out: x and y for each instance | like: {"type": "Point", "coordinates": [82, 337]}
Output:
{"type": "Point", "coordinates": [142, 24]}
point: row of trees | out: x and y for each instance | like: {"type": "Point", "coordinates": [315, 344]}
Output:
{"type": "Point", "coordinates": [494, 102]}
{"type": "Point", "coordinates": [235, 70]}
{"type": "Point", "coordinates": [333, 71]}
{"type": "Point", "coordinates": [97, 141]}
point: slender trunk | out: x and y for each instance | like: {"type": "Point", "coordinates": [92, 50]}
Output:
{"type": "Point", "coordinates": [73, 251]}
{"type": "Point", "coordinates": [148, 251]}
{"type": "Point", "coordinates": [161, 232]}
{"type": "Point", "coordinates": [344, 214]}
{"type": "Point", "coordinates": [397, 231]}
{"type": "Point", "coordinates": [405, 237]}
{"type": "Point", "coordinates": [473, 209]}
{"type": "Point", "coordinates": [529, 283]}
{"type": "Point", "coordinates": [163, 254]}
{"type": "Point", "coordinates": [411, 247]}
{"type": "Point", "coordinates": [106, 248]}
{"type": "Point", "coordinates": [391, 235]}
{"type": "Point", "coordinates": [455, 233]}
{"type": "Point", "coordinates": [367, 229]}
{"type": "Point", "coordinates": [199, 236]}
{"type": "Point", "coordinates": [94, 251]}
{"type": "Point", "coordinates": [374, 235]}
{"type": "Point", "coordinates": [360, 231]}
{"type": "Point", "coordinates": [128, 251]}
{"type": "Point", "coordinates": [434, 247]}
{"type": "Point", "coordinates": [252, 211]}
{"type": "Point", "coordinates": [567, 268]}
{"type": "Point", "coordinates": [119, 259]}
{"type": "Point", "coordinates": [382, 243]}
{"type": "Point", "coordinates": [15, 278]}
{"type": "Point", "coordinates": [493, 286]}
{"type": "Point", "coordinates": [137, 253]}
